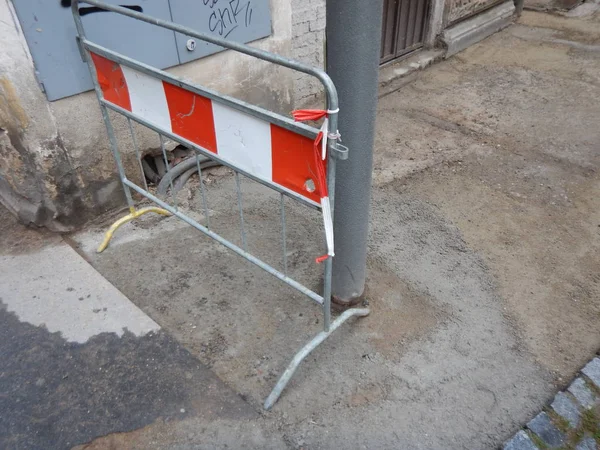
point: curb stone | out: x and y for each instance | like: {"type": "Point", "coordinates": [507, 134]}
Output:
{"type": "Point", "coordinates": [564, 407]}
{"type": "Point", "coordinates": [587, 443]}
{"type": "Point", "coordinates": [577, 400]}
{"type": "Point", "coordinates": [592, 371]}
{"type": "Point", "coordinates": [582, 393]}
{"type": "Point", "coordinates": [542, 426]}
{"type": "Point", "coordinates": [521, 441]}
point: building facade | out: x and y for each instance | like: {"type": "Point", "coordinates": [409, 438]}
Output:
{"type": "Point", "coordinates": [56, 169]}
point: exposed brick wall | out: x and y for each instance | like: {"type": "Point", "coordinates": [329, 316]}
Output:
{"type": "Point", "coordinates": [308, 45]}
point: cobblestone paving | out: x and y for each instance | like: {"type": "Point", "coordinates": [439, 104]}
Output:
{"type": "Point", "coordinates": [570, 422]}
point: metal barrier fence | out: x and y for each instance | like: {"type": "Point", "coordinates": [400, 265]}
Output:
{"type": "Point", "coordinates": [283, 156]}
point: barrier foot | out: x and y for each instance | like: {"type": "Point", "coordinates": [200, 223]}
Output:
{"type": "Point", "coordinates": [134, 214]}
{"type": "Point", "coordinates": [306, 350]}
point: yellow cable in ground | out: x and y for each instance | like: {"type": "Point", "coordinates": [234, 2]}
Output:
{"type": "Point", "coordinates": [134, 214]}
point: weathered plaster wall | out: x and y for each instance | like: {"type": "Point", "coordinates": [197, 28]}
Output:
{"type": "Point", "coordinates": [36, 178]}
{"type": "Point", "coordinates": [56, 169]}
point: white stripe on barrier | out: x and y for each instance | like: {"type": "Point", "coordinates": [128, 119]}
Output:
{"type": "Point", "coordinates": [147, 97]}
{"type": "Point", "coordinates": [243, 139]}
{"type": "Point", "coordinates": [254, 145]}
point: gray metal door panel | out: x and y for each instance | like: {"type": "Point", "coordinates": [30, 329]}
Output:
{"type": "Point", "coordinates": [403, 27]}
{"type": "Point", "coordinates": [388, 30]}
{"type": "Point", "coordinates": [50, 33]}
{"type": "Point", "coordinates": [239, 20]}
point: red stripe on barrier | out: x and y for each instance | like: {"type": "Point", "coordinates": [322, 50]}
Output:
{"type": "Point", "coordinates": [112, 82]}
{"type": "Point", "coordinates": [191, 116]}
{"type": "Point", "coordinates": [294, 162]}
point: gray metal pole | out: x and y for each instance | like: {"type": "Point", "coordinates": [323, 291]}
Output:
{"type": "Point", "coordinates": [353, 46]}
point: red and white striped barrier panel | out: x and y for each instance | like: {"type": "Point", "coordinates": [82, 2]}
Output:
{"type": "Point", "coordinates": [263, 149]}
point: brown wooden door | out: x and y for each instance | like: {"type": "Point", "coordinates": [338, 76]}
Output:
{"type": "Point", "coordinates": [403, 27]}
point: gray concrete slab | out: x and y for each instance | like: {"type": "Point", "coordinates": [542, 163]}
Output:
{"type": "Point", "coordinates": [56, 287]}
{"type": "Point", "coordinates": [79, 360]}
{"type": "Point", "coordinates": [58, 394]}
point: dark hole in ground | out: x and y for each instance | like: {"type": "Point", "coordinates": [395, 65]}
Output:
{"type": "Point", "coordinates": [174, 172]}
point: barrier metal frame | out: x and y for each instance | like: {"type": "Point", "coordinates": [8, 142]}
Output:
{"type": "Point", "coordinates": [335, 151]}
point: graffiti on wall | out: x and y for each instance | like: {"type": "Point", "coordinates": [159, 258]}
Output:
{"type": "Point", "coordinates": [226, 16]}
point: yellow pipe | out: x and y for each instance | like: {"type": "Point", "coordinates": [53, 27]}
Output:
{"type": "Point", "coordinates": [134, 214]}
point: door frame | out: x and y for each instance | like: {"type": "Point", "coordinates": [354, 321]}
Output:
{"type": "Point", "coordinates": [417, 31]}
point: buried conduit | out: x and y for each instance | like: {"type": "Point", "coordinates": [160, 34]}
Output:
{"type": "Point", "coordinates": [182, 165]}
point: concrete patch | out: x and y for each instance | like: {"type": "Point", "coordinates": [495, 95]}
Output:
{"type": "Point", "coordinates": [436, 336]}
{"type": "Point", "coordinates": [56, 288]}
{"type": "Point", "coordinates": [584, 29]}
{"type": "Point", "coordinates": [550, 36]}
{"type": "Point", "coordinates": [57, 394]}
{"type": "Point", "coordinates": [390, 75]}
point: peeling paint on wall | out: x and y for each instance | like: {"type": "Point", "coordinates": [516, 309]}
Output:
{"type": "Point", "coordinates": [10, 107]}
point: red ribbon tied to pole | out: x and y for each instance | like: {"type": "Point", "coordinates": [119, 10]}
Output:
{"type": "Point", "coordinates": [320, 152]}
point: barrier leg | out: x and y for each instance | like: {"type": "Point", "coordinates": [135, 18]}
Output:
{"type": "Point", "coordinates": [306, 350]}
{"type": "Point", "coordinates": [133, 214]}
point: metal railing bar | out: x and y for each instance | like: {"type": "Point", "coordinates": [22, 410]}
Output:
{"type": "Point", "coordinates": [203, 192]}
{"type": "Point", "coordinates": [137, 153]}
{"type": "Point", "coordinates": [164, 152]}
{"type": "Point", "coordinates": [283, 235]}
{"type": "Point", "coordinates": [293, 283]}
{"type": "Point", "coordinates": [327, 273]}
{"type": "Point", "coordinates": [321, 75]}
{"type": "Point", "coordinates": [114, 148]}
{"type": "Point", "coordinates": [211, 155]}
{"type": "Point", "coordinates": [239, 198]}
{"type": "Point", "coordinates": [306, 350]}
{"type": "Point", "coordinates": [269, 116]}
